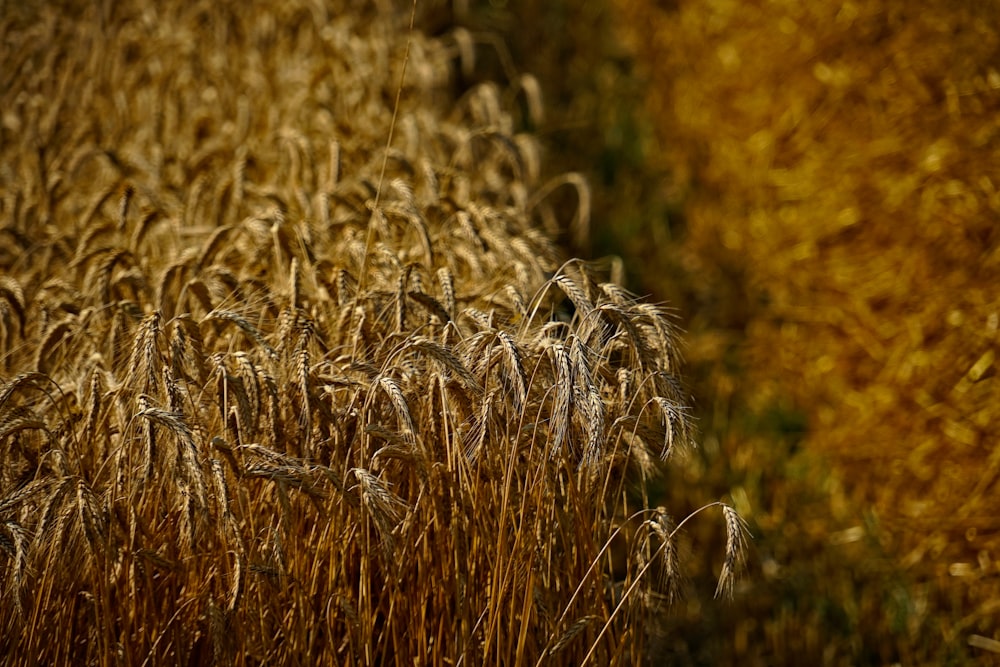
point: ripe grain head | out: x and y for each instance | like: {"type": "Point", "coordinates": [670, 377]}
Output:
{"type": "Point", "coordinates": [295, 388]}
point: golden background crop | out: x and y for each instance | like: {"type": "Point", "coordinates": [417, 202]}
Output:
{"type": "Point", "coordinates": [838, 164]}
{"type": "Point", "coordinates": [813, 188]}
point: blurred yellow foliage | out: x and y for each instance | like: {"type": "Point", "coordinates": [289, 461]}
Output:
{"type": "Point", "coordinates": [838, 168]}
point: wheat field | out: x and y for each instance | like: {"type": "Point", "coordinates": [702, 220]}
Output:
{"type": "Point", "coordinates": [291, 368]}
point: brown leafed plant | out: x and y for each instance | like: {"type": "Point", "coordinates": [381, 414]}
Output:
{"type": "Point", "coordinates": [290, 373]}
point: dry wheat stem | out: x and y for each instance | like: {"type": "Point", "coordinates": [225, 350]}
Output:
{"type": "Point", "coordinates": [254, 396]}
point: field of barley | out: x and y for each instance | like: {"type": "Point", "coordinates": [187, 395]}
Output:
{"type": "Point", "coordinates": [296, 366]}
{"type": "Point", "coordinates": [813, 186]}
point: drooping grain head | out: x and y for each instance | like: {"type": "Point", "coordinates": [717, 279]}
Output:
{"type": "Point", "coordinates": [293, 391]}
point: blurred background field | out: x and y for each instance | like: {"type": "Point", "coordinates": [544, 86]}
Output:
{"type": "Point", "coordinates": [814, 188]}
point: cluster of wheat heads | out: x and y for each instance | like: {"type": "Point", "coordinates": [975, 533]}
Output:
{"type": "Point", "coordinates": [275, 393]}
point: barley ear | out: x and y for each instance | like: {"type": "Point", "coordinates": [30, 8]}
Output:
{"type": "Point", "coordinates": [736, 547]}
{"type": "Point", "coordinates": [578, 626]}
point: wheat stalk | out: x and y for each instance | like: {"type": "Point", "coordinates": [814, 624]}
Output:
{"type": "Point", "coordinates": [294, 381]}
